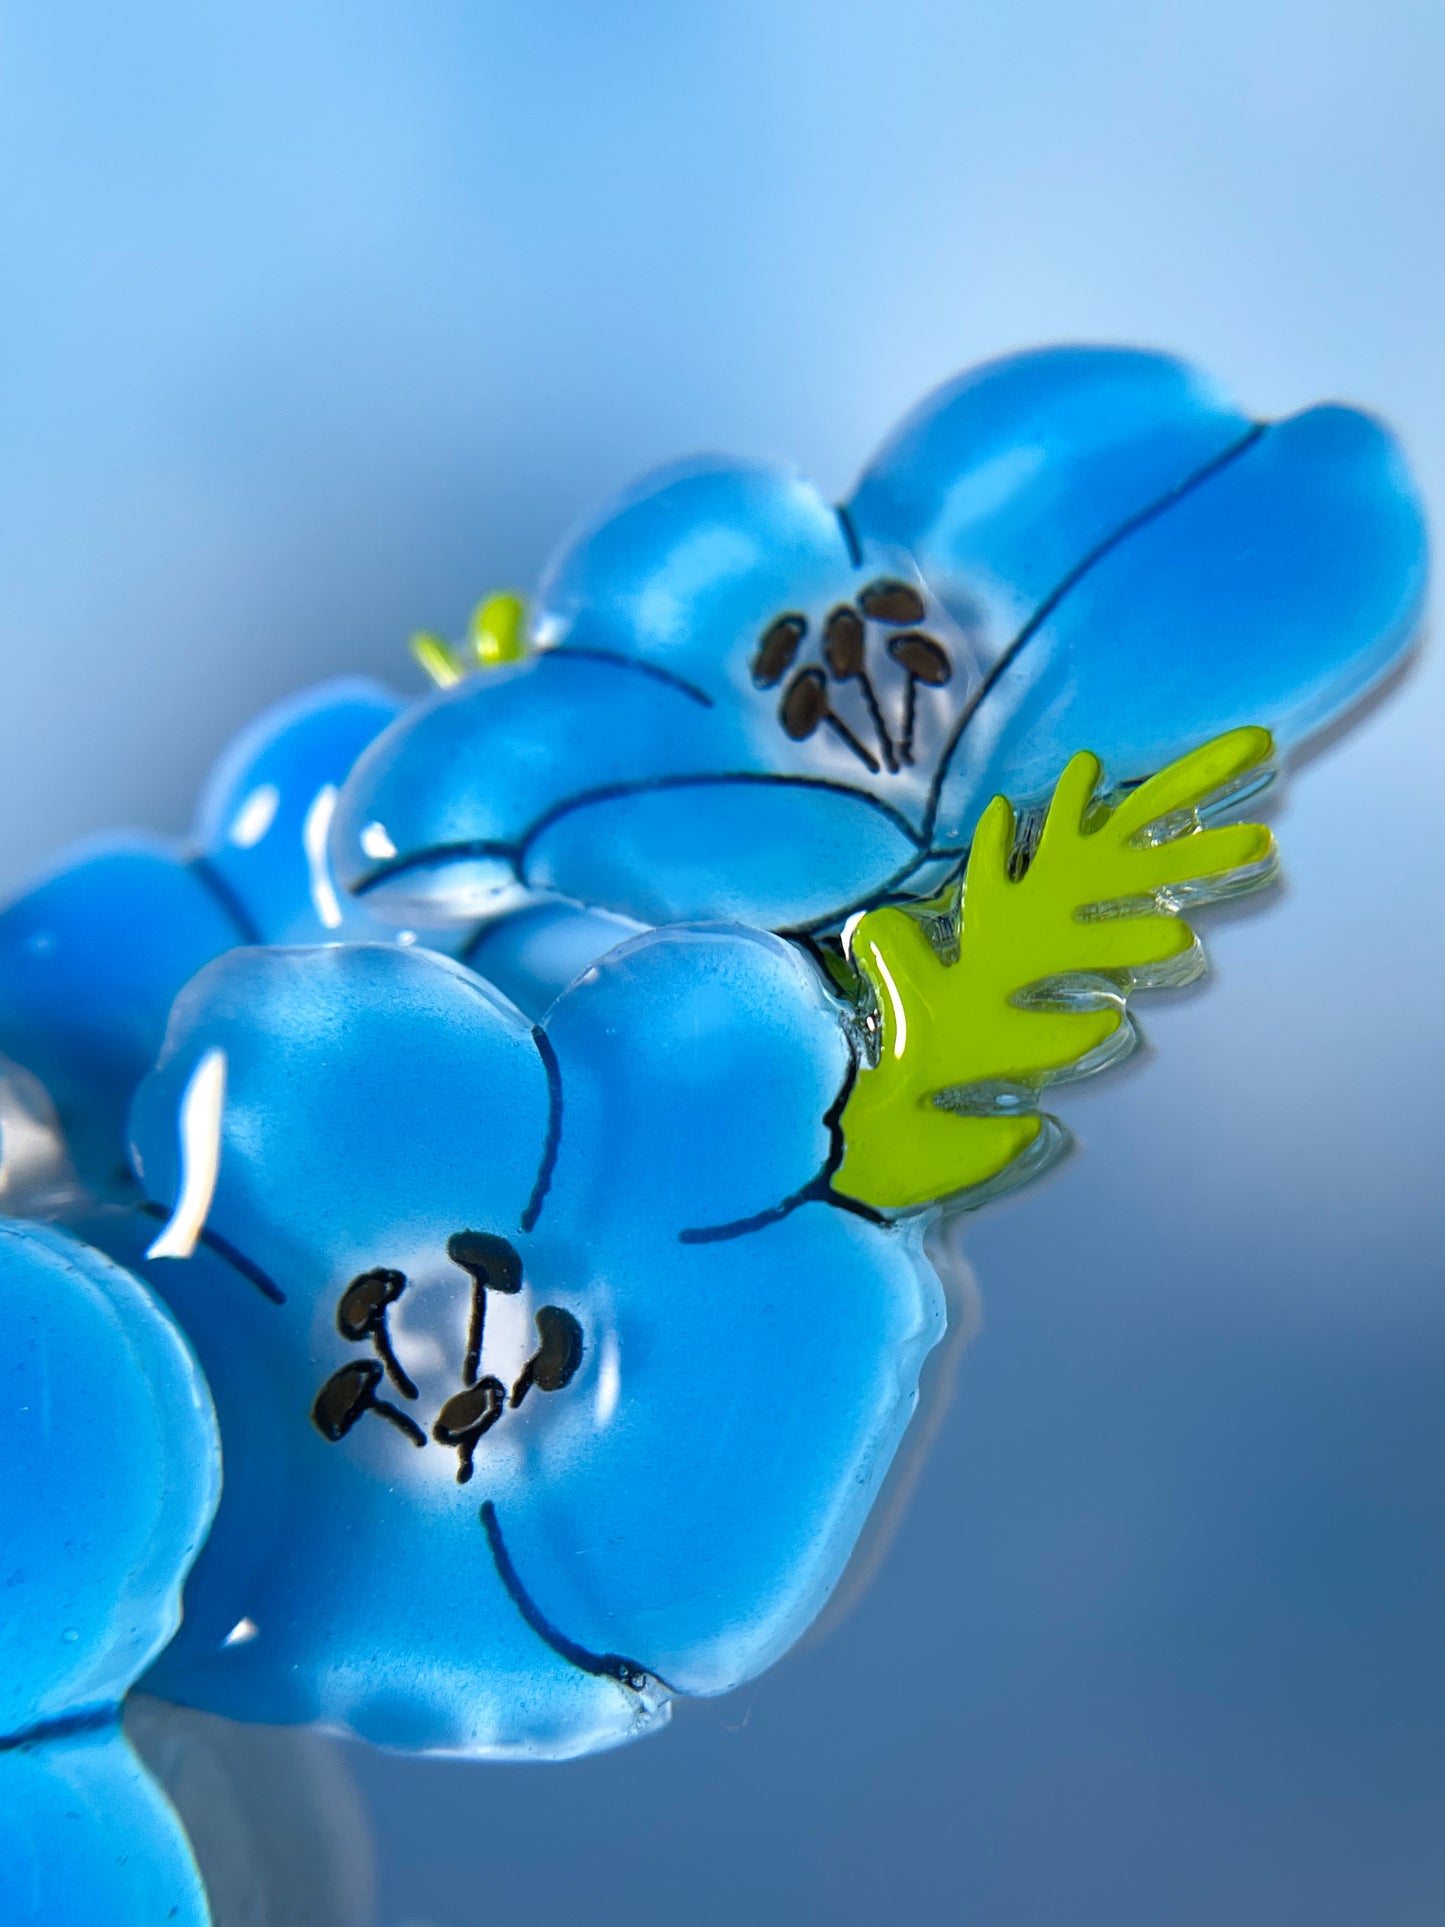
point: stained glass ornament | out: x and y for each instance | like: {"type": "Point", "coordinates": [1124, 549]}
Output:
{"type": "Point", "coordinates": [743, 702]}
{"type": "Point", "coordinates": [112, 1472]}
{"type": "Point", "coordinates": [560, 1363]}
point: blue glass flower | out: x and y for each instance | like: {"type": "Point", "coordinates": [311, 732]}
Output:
{"type": "Point", "coordinates": [92, 954]}
{"type": "Point", "coordinates": [112, 1472]}
{"type": "Point", "coordinates": [554, 1381]}
{"type": "Point", "coordinates": [746, 703]}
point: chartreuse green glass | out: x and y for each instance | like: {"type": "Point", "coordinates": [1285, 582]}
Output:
{"type": "Point", "coordinates": [1022, 977]}
{"type": "Point", "coordinates": [496, 633]}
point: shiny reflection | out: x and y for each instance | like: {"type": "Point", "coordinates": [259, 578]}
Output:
{"type": "Point", "coordinates": [34, 1163]}
{"type": "Point", "coordinates": [276, 1822]}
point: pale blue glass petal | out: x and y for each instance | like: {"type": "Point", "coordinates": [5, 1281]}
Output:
{"type": "Point", "coordinates": [606, 782]}
{"type": "Point", "coordinates": [685, 569]}
{"type": "Point", "coordinates": [534, 954]}
{"type": "Point", "coordinates": [698, 1070]}
{"type": "Point", "coordinates": [92, 955]}
{"type": "Point", "coordinates": [698, 741]}
{"type": "Point", "coordinates": [87, 1839]}
{"type": "Point", "coordinates": [460, 787]}
{"type": "Point", "coordinates": [1004, 480]}
{"type": "Point", "coordinates": [647, 1164]}
{"type": "Point", "coordinates": [90, 959]}
{"type": "Point", "coordinates": [780, 855]}
{"type": "Point", "coordinates": [264, 815]}
{"type": "Point", "coordinates": [112, 1471]}
{"type": "Point", "coordinates": [695, 1503]}
{"type": "Point", "coordinates": [381, 1037]}
{"type": "Point", "coordinates": [378, 1100]}
{"type": "Point", "coordinates": [1275, 592]}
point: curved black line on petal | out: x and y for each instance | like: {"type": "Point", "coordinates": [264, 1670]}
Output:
{"type": "Point", "coordinates": [617, 661]}
{"type": "Point", "coordinates": [818, 1190]}
{"type": "Point", "coordinates": [1056, 595]}
{"type": "Point", "coordinates": [210, 878]}
{"type": "Point", "coordinates": [850, 536]}
{"type": "Point", "coordinates": [696, 779]}
{"type": "Point", "coordinates": [224, 1249]}
{"type": "Point", "coordinates": [434, 853]}
{"type": "Point", "coordinates": [63, 1727]}
{"type": "Point", "coordinates": [882, 893]}
{"type": "Point", "coordinates": [626, 1672]}
{"type": "Point", "coordinates": [553, 1142]}
{"type": "Point", "coordinates": [516, 853]}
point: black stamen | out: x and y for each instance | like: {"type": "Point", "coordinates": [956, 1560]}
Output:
{"type": "Point", "coordinates": [361, 1313]}
{"type": "Point", "coordinates": [555, 1362]}
{"type": "Point", "coordinates": [844, 651]}
{"type": "Point", "coordinates": [465, 1419]}
{"type": "Point", "coordinates": [842, 731]}
{"type": "Point", "coordinates": [805, 708]}
{"type": "Point", "coordinates": [350, 1393]}
{"type": "Point", "coordinates": [494, 1266]}
{"type": "Point", "coordinates": [394, 1415]}
{"type": "Point", "coordinates": [924, 661]}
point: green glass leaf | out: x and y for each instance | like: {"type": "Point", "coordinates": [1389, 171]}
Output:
{"type": "Point", "coordinates": [1049, 946]}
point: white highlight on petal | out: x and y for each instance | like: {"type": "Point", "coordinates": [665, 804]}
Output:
{"type": "Point", "coordinates": [376, 843]}
{"type": "Point", "coordinates": [314, 832]}
{"type": "Point", "coordinates": [609, 1380]}
{"type": "Point", "coordinates": [242, 1633]}
{"type": "Point", "coordinates": [848, 929]}
{"type": "Point", "coordinates": [255, 816]}
{"type": "Point", "coordinates": [900, 1016]}
{"type": "Point", "coordinates": [202, 1102]}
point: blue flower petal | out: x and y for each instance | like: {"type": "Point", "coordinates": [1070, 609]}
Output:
{"type": "Point", "coordinates": [404, 1054]}
{"type": "Point", "coordinates": [112, 1472]}
{"type": "Point", "coordinates": [649, 1160]}
{"type": "Point", "coordinates": [1273, 593]}
{"type": "Point", "coordinates": [377, 1101]}
{"type": "Point", "coordinates": [264, 815]}
{"type": "Point", "coordinates": [87, 1839]}
{"type": "Point", "coordinates": [685, 569]}
{"type": "Point", "coordinates": [698, 1068]}
{"type": "Point", "coordinates": [92, 955]}
{"type": "Point", "coordinates": [534, 954]}
{"type": "Point", "coordinates": [695, 1503]}
{"type": "Point", "coordinates": [1004, 480]}
{"type": "Point", "coordinates": [90, 959]}
{"type": "Point", "coordinates": [609, 782]}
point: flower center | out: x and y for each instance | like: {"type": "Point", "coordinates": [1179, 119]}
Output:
{"type": "Point", "coordinates": [886, 615]}
{"type": "Point", "coordinates": [465, 1418]}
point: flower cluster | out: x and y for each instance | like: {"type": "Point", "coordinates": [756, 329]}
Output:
{"type": "Point", "coordinates": [531, 1104]}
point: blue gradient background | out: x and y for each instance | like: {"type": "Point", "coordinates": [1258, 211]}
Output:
{"type": "Point", "coordinates": [321, 318]}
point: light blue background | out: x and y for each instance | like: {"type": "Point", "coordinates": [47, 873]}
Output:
{"type": "Point", "coordinates": [319, 319]}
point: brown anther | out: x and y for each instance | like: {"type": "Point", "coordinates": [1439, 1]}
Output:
{"type": "Point", "coordinates": [922, 657]}
{"type": "Point", "coordinates": [776, 650]}
{"type": "Point", "coordinates": [895, 602]}
{"type": "Point", "coordinates": [805, 704]}
{"type": "Point", "coordinates": [843, 642]}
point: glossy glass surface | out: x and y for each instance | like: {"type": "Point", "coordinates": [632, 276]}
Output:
{"type": "Point", "coordinates": [112, 1471]}
{"type": "Point", "coordinates": [92, 955]}
{"type": "Point", "coordinates": [748, 704]}
{"type": "Point", "coordinates": [525, 1343]}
